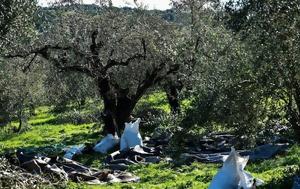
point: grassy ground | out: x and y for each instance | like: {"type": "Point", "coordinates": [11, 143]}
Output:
{"type": "Point", "coordinates": [46, 133]}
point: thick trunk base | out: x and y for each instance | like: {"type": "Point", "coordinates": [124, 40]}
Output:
{"type": "Point", "coordinates": [173, 99]}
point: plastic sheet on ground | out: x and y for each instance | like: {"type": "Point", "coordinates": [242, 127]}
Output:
{"type": "Point", "coordinates": [266, 151]}
{"type": "Point", "coordinates": [296, 184]}
{"type": "Point", "coordinates": [66, 169]}
{"type": "Point", "coordinates": [259, 153]}
{"type": "Point", "coordinates": [107, 143]}
{"type": "Point", "coordinates": [74, 150]}
{"type": "Point", "coordinates": [215, 147]}
{"type": "Point", "coordinates": [120, 160]}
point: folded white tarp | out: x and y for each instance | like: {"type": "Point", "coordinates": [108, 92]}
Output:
{"type": "Point", "coordinates": [107, 143]}
{"type": "Point", "coordinates": [232, 175]}
{"type": "Point", "coordinates": [131, 136]}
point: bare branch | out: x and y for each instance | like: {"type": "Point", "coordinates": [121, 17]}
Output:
{"type": "Point", "coordinates": [144, 48]}
{"type": "Point", "coordinates": [27, 67]}
{"type": "Point", "coordinates": [154, 77]}
{"type": "Point", "coordinates": [111, 63]}
{"type": "Point", "coordinates": [43, 52]}
{"type": "Point", "coordinates": [94, 48]}
{"type": "Point", "coordinates": [172, 70]}
{"type": "Point", "coordinates": [73, 68]}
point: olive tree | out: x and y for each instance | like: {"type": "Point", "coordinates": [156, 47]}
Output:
{"type": "Point", "coordinates": [126, 54]}
{"type": "Point", "coordinates": [223, 87]}
{"type": "Point", "coordinates": [194, 16]}
{"type": "Point", "coordinates": [271, 31]}
{"type": "Point", "coordinates": [16, 24]}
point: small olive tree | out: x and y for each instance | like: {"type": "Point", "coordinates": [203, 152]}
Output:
{"type": "Point", "coordinates": [16, 25]}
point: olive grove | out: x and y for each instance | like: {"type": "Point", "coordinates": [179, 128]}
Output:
{"type": "Point", "coordinates": [236, 63]}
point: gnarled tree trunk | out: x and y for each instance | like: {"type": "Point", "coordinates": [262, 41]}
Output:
{"type": "Point", "coordinates": [295, 113]}
{"type": "Point", "coordinates": [172, 90]}
{"type": "Point", "coordinates": [118, 106]}
{"type": "Point", "coordinates": [116, 112]}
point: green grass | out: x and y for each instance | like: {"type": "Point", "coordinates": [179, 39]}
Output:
{"type": "Point", "coordinates": [44, 132]}
{"type": "Point", "coordinates": [158, 100]}
{"type": "Point", "coordinates": [278, 172]}
{"type": "Point", "coordinates": [165, 175]}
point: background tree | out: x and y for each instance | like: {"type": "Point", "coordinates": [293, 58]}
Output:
{"type": "Point", "coordinates": [64, 89]}
{"type": "Point", "coordinates": [193, 15]}
{"type": "Point", "coordinates": [271, 31]}
{"type": "Point", "coordinates": [226, 92]}
{"type": "Point", "coordinates": [16, 23]}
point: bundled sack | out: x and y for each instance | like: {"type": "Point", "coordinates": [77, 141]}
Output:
{"type": "Point", "coordinates": [233, 176]}
{"type": "Point", "coordinates": [107, 143]}
{"type": "Point", "coordinates": [131, 136]}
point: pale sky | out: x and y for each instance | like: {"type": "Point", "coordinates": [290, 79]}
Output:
{"type": "Point", "coordinates": [151, 4]}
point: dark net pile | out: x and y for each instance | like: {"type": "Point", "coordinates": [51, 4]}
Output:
{"type": "Point", "coordinates": [13, 177]}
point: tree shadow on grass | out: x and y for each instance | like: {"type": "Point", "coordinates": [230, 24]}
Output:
{"type": "Point", "coordinates": [49, 150]}
{"type": "Point", "coordinates": [53, 121]}
{"type": "Point", "coordinates": [81, 138]}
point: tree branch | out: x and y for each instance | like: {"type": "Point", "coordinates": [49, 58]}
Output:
{"type": "Point", "coordinates": [94, 48]}
{"type": "Point", "coordinates": [173, 69]}
{"type": "Point", "coordinates": [74, 68]}
{"type": "Point", "coordinates": [43, 52]}
{"type": "Point", "coordinates": [153, 78]}
{"type": "Point", "coordinates": [27, 67]}
{"type": "Point", "coordinates": [111, 63]}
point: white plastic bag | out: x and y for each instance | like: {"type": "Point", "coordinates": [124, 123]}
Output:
{"type": "Point", "coordinates": [74, 150]}
{"type": "Point", "coordinates": [131, 136]}
{"type": "Point", "coordinates": [247, 181]}
{"type": "Point", "coordinates": [232, 174]}
{"type": "Point", "coordinates": [106, 143]}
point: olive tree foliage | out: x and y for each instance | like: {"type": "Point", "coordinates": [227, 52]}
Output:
{"type": "Point", "coordinates": [223, 82]}
{"type": "Point", "coordinates": [222, 96]}
{"type": "Point", "coordinates": [16, 26]}
{"type": "Point", "coordinates": [271, 31]}
{"type": "Point", "coordinates": [125, 54]}
{"type": "Point", "coordinates": [252, 84]}
{"type": "Point", "coordinates": [22, 91]}
{"type": "Point", "coordinates": [194, 17]}
{"type": "Point", "coordinates": [16, 22]}
{"type": "Point", "coordinates": [64, 88]}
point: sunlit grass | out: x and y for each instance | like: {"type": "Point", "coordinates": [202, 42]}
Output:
{"type": "Point", "coordinates": [159, 100]}
{"type": "Point", "coordinates": [44, 131]}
